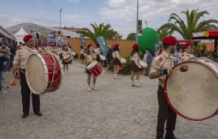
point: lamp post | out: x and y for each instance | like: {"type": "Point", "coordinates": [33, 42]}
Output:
{"type": "Point", "coordinates": [137, 18]}
{"type": "Point", "coordinates": [60, 19]}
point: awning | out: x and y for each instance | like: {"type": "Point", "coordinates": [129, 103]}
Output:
{"type": "Point", "coordinates": [6, 34]}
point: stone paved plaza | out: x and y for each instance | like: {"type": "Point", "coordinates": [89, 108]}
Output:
{"type": "Point", "coordinates": [115, 111]}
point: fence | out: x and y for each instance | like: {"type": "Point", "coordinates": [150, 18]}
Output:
{"type": "Point", "coordinates": [125, 45]}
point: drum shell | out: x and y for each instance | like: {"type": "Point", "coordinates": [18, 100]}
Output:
{"type": "Point", "coordinates": [95, 69]}
{"type": "Point", "coordinates": [52, 73]}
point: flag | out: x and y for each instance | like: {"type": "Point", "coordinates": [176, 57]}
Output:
{"type": "Point", "coordinates": [103, 46]}
{"type": "Point", "coordinates": [83, 43]}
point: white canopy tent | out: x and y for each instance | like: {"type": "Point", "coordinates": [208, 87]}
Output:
{"type": "Point", "coordinates": [20, 34]}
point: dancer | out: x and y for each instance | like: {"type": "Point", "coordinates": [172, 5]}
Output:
{"type": "Point", "coordinates": [135, 66]}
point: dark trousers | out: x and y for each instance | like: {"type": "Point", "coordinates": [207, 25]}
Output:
{"type": "Point", "coordinates": [25, 92]}
{"type": "Point", "coordinates": [165, 114]}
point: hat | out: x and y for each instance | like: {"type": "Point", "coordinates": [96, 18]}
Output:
{"type": "Point", "coordinates": [27, 37]}
{"type": "Point", "coordinates": [169, 40]}
{"type": "Point", "coordinates": [97, 44]}
{"type": "Point", "coordinates": [186, 45]}
{"type": "Point", "coordinates": [81, 47]}
{"type": "Point", "coordinates": [135, 47]}
{"type": "Point", "coordinates": [116, 45]}
{"type": "Point", "coordinates": [89, 46]}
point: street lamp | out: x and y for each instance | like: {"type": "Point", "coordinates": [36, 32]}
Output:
{"type": "Point", "coordinates": [60, 19]}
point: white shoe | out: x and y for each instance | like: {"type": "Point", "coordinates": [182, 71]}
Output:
{"type": "Point", "coordinates": [115, 76]}
{"type": "Point", "coordinates": [133, 84]}
{"type": "Point", "coordinates": [137, 84]}
{"type": "Point", "coordinates": [89, 89]}
{"type": "Point", "coordinates": [94, 88]}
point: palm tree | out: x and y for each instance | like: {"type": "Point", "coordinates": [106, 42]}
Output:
{"type": "Point", "coordinates": [163, 32]}
{"type": "Point", "coordinates": [101, 29]}
{"type": "Point", "coordinates": [193, 23]}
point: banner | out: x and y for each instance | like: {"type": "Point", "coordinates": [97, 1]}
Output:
{"type": "Point", "coordinates": [102, 45]}
{"type": "Point", "coordinates": [139, 27]}
{"type": "Point", "coordinates": [83, 43]}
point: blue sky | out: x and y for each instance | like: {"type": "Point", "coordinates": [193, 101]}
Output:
{"type": "Point", "coordinates": [121, 14]}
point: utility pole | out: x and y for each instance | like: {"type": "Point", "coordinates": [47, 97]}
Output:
{"type": "Point", "coordinates": [137, 18]}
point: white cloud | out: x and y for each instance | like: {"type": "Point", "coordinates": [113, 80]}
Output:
{"type": "Point", "coordinates": [71, 16]}
{"type": "Point", "coordinates": [156, 12]}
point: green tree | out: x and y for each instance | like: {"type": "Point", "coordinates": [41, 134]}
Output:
{"type": "Point", "coordinates": [163, 32]}
{"type": "Point", "coordinates": [101, 29]}
{"type": "Point", "coordinates": [193, 23]}
{"type": "Point", "coordinates": [131, 36]}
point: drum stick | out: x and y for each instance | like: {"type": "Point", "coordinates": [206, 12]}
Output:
{"type": "Point", "coordinates": [182, 68]}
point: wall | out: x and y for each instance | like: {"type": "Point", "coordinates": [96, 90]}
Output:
{"type": "Point", "coordinates": [125, 45]}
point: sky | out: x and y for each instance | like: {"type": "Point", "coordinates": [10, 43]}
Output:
{"type": "Point", "coordinates": [121, 14]}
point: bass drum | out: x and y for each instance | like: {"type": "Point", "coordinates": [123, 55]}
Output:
{"type": "Point", "coordinates": [193, 94]}
{"type": "Point", "coordinates": [43, 73]}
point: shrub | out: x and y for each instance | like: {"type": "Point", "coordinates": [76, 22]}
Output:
{"type": "Point", "coordinates": [126, 69]}
{"type": "Point", "coordinates": [75, 56]}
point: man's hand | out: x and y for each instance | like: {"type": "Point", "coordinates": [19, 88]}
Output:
{"type": "Point", "coordinates": [15, 73]}
{"type": "Point", "coordinates": [165, 72]}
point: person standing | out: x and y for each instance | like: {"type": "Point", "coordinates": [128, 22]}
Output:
{"type": "Point", "coordinates": [147, 58]}
{"type": "Point", "coordinates": [2, 60]}
{"type": "Point", "coordinates": [116, 60]}
{"type": "Point", "coordinates": [66, 54]}
{"type": "Point", "coordinates": [187, 55]}
{"type": "Point", "coordinates": [160, 68]}
{"type": "Point", "coordinates": [82, 56]}
{"type": "Point", "coordinates": [135, 66]}
{"type": "Point", "coordinates": [20, 60]}
{"type": "Point", "coordinates": [7, 54]}
{"type": "Point", "coordinates": [89, 58]}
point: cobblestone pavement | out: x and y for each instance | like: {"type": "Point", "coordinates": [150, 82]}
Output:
{"type": "Point", "coordinates": [115, 111]}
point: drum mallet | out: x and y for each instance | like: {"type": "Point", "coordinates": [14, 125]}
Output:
{"type": "Point", "coordinates": [182, 68]}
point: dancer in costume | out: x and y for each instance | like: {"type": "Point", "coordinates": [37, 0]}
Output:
{"type": "Point", "coordinates": [116, 60]}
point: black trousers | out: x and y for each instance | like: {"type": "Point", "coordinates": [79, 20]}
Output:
{"type": "Point", "coordinates": [25, 92]}
{"type": "Point", "coordinates": [165, 114]}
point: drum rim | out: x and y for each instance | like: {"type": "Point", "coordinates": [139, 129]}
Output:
{"type": "Point", "coordinates": [144, 66]}
{"type": "Point", "coordinates": [46, 73]}
{"type": "Point", "coordinates": [169, 102]}
{"type": "Point", "coordinates": [89, 66]}
{"type": "Point", "coordinates": [61, 69]}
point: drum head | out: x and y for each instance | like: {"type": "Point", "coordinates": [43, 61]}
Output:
{"type": "Point", "coordinates": [102, 57]}
{"type": "Point", "coordinates": [35, 74]}
{"type": "Point", "coordinates": [122, 60]}
{"type": "Point", "coordinates": [142, 63]}
{"type": "Point", "coordinates": [193, 94]}
{"type": "Point", "coordinates": [91, 65]}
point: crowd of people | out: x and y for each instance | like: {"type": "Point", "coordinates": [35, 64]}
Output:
{"type": "Point", "coordinates": [157, 68]}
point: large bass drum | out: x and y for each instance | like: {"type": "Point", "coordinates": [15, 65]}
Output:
{"type": "Point", "coordinates": [43, 73]}
{"type": "Point", "coordinates": [194, 94]}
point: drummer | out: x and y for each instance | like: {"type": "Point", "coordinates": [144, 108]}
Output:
{"type": "Point", "coordinates": [116, 60]}
{"type": "Point", "coordinates": [160, 67]}
{"type": "Point", "coordinates": [135, 66]}
{"type": "Point", "coordinates": [90, 57]}
{"type": "Point", "coordinates": [187, 55]}
{"type": "Point", "coordinates": [65, 52]}
{"type": "Point", "coordinates": [20, 60]}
